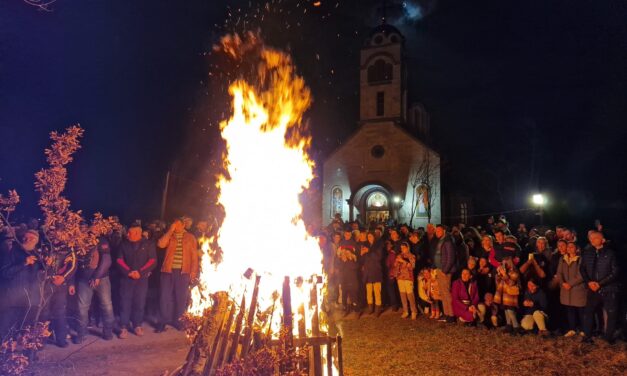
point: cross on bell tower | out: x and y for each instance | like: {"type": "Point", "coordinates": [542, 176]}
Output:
{"type": "Point", "coordinates": [383, 9]}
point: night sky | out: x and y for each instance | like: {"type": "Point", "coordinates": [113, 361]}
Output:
{"type": "Point", "coordinates": [523, 96]}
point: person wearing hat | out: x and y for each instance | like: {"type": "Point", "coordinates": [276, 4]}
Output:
{"type": "Point", "coordinates": [180, 268]}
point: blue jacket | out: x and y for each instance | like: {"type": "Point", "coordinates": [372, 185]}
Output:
{"type": "Point", "coordinates": [446, 249]}
{"type": "Point", "coordinates": [600, 266]}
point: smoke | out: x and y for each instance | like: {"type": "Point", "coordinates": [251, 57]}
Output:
{"type": "Point", "coordinates": [412, 11]}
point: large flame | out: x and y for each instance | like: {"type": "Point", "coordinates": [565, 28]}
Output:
{"type": "Point", "coordinates": [268, 168]}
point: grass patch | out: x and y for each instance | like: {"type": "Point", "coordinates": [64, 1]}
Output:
{"type": "Point", "coordinates": [392, 346]}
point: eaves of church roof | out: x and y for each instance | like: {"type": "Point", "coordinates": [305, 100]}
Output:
{"type": "Point", "coordinates": [396, 125]}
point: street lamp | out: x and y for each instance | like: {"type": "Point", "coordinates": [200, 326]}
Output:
{"type": "Point", "coordinates": [539, 200]}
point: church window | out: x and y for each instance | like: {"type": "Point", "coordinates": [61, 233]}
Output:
{"type": "Point", "coordinates": [337, 201]}
{"type": "Point", "coordinates": [378, 39]}
{"type": "Point", "coordinates": [463, 212]}
{"type": "Point", "coordinates": [394, 39]}
{"type": "Point", "coordinates": [377, 151]}
{"type": "Point", "coordinates": [380, 103]}
{"type": "Point", "coordinates": [379, 72]}
{"type": "Point", "coordinates": [377, 201]}
{"type": "Point", "coordinates": [422, 200]}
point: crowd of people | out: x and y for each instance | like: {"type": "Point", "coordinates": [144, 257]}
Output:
{"type": "Point", "coordinates": [130, 272]}
{"type": "Point", "coordinates": [539, 280]}
{"type": "Point", "coordinates": [543, 280]}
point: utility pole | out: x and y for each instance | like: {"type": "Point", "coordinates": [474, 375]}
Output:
{"type": "Point", "coordinates": [164, 197]}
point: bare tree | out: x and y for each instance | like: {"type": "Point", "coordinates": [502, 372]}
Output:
{"type": "Point", "coordinates": [425, 174]}
{"type": "Point", "coordinates": [42, 5]}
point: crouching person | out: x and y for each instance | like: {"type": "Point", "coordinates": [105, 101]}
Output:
{"type": "Point", "coordinates": [534, 308]}
{"type": "Point", "coordinates": [465, 298]}
{"type": "Point", "coordinates": [488, 307]}
{"type": "Point", "coordinates": [137, 258]}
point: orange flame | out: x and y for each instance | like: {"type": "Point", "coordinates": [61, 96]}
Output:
{"type": "Point", "coordinates": [268, 168]}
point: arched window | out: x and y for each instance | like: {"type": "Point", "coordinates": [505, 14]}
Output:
{"type": "Point", "coordinates": [422, 200]}
{"type": "Point", "coordinates": [337, 201]}
{"type": "Point", "coordinates": [380, 71]}
{"type": "Point", "coordinates": [377, 201]}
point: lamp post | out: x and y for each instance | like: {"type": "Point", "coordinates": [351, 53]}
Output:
{"type": "Point", "coordinates": [539, 200]}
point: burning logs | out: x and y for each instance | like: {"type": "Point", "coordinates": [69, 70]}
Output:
{"type": "Point", "coordinates": [219, 347]}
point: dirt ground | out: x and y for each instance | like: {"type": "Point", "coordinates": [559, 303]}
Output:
{"type": "Point", "coordinates": [152, 354]}
{"type": "Point", "coordinates": [386, 346]}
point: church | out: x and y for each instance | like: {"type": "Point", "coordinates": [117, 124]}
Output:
{"type": "Point", "coordinates": [385, 170]}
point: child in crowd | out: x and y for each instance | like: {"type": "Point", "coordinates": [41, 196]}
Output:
{"type": "Point", "coordinates": [488, 307]}
{"type": "Point", "coordinates": [434, 294]}
{"type": "Point", "coordinates": [507, 292]}
{"type": "Point", "coordinates": [424, 300]}
{"type": "Point", "coordinates": [404, 265]}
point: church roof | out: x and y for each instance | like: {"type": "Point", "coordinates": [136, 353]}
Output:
{"type": "Point", "coordinates": [398, 127]}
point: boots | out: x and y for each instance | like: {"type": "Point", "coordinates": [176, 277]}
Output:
{"type": "Point", "coordinates": [370, 309]}
{"type": "Point", "coordinates": [377, 311]}
{"type": "Point", "coordinates": [107, 334]}
{"type": "Point", "coordinates": [405, 304]}
{"type": "Point", "coordinates": [347, 310]}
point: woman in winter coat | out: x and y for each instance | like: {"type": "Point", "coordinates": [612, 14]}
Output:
{"type": "Point", "coordinates": [572, 289]}
{"type": "Point", "coordinates": [465, 298]}
{"type": "Point", "coordinates": [372, 271]}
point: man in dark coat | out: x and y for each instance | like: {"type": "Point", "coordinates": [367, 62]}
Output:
{"type": "Point", "coordinates": [599, 269]}
{"type": "Point", "coordinates": [445, 263]}
{"type": "Point", "coordinates": [92, 277]}
{"type": "Point", "coordinates": [348, 255]}
{"type": "Point", "coordinates": [136, 260]}
{"type": "Point", "coordinates": [21, 273]}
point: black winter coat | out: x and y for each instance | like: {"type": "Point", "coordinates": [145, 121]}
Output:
{"type": "Point", "coordinates": [20, 283]}
{"type": "Point", "coordinates": [600, 266]}
{"type": "Point", "coordinates": [372, 267]}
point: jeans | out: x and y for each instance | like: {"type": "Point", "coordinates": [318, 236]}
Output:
{"type": "Point", "coordinates": [609, 302]}
{"type": "Point", "coordinates": [133, 301]}
{"type": "Point", "coordinates": [538, 318]}
{"type": "Point", "coordinates": [373, 289]}
{"type": "Point", "coordinates": [392, 292]}
{"type": "Point", "coordinates": [575, 317]}
{"type": "Point", "coordinates": [56, 310]}
{"type": "Point", "coordinates": [174, 296]}
{"type": "Point", "coordinates": [85, 296]}
{"type": "Point", "coordinates": [444, 286]}
{"type": "Point", "coordinates": [510, 318]}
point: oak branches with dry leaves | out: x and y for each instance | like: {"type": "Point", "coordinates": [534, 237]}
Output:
{"type": "Point", "coordinates": [64, 227]}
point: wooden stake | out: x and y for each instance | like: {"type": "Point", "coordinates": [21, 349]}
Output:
{"type": "Point", "coordinates": [315, 331]}
{"type": "Point", "coordinates": [224, 338]}
{"type": "Point", "coordinates": [251, 319]}
{"type": "Point", "coordinates": [288, 320]}
{"type": "Point", "coordinates": [236, 334]}
{"type": "Point", "coordinates": [213, 338]}
{"type": "Point", "coordinates": [340, 359]}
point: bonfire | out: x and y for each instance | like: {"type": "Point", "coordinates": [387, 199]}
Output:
{"type": "Point", "coordinates": [257, 302]}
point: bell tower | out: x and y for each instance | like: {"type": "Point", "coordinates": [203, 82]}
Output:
{"type": "Point", "coordinates": [383, 94]}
